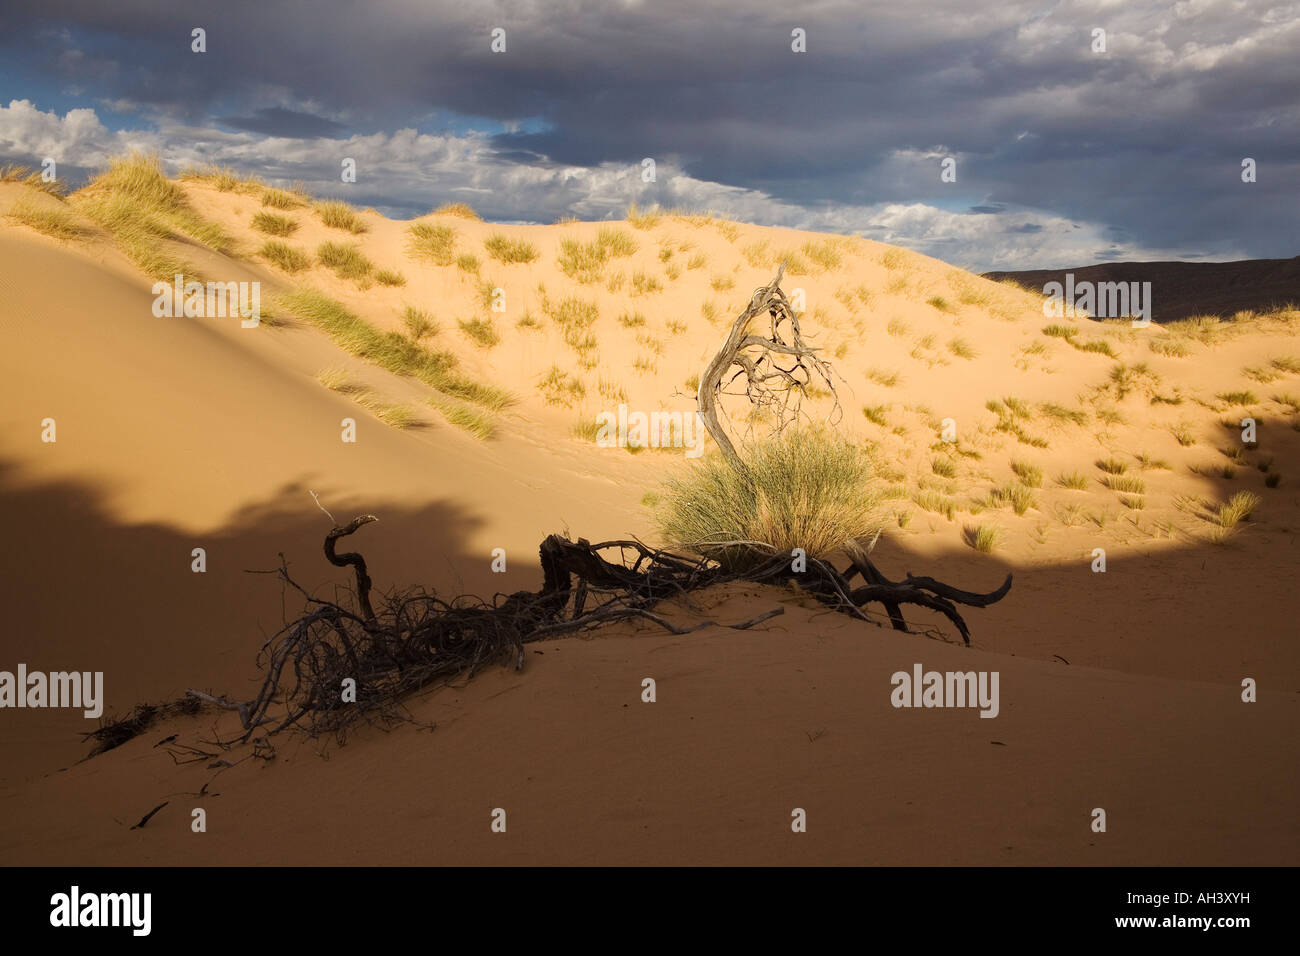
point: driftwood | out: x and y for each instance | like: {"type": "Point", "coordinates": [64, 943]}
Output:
{"type": "Point", "coordinates": [418, 640]}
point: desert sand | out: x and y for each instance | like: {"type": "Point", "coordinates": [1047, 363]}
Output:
{"type": "Point", "coordinates": [1120, 690]}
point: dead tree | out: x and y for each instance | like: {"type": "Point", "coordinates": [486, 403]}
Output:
{"type": "Point", "coordinates": [776, 369]}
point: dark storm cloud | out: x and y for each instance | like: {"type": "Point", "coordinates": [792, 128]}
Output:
{"type": "Point", "coordinates": [1148, 137]}
{"type": "Point", "coordinates": [276, 121]}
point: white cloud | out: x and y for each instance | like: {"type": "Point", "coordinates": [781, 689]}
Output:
{"type": "Point", "coordinates": [416, 171]}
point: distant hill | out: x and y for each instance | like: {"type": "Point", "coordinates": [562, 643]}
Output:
{"type": "Point", "coordinates": [1182, 289]}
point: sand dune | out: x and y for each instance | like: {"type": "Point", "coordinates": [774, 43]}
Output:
{"type": "Point", "coordinates": [177, 433]}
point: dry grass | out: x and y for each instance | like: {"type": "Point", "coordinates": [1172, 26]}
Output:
{"type": "Point", "coordinates": [638, 218]}
{"type": "Point", "coordinates": [29, 177]}
{"type": "Point", "coordinates": [458, 209]}
{"type": "Point", "coordinates": [1073, 480]}
{"type": "Point", "coordinates": [504, 249]}
{"type": "Point", "coordinates": [473, 420]}
{"type": "Point", "coordinates": [135, 202]}
{"type": "Point", "coordinates": [274, 224]}
{"type": "Point", "coordinates": [984, 538]}
{"type": "Point", "coordinates": [52, 220]}
{"type": "Point", "coordinates": [281, 199]}
{"type": "Point", "coordinates": [391, 350]}
{"type": "Point", "coordinates": [284, 256]}
{"type": "Point", "coordinates": [348, 262]}
{"type": "Point", "coordinates": [419, 324]}
{"type": "Point", "coordinates": [481, 332]}
{"type": "Point", "coordinates": [428, 240]}
{"type": "Point", "coordinates": [340, 215]}
{"type": "Point", "coordinates": [809, 489]}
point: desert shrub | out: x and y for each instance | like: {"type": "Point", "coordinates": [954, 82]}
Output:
{"type": "Point", "coordinates": [804, 489]}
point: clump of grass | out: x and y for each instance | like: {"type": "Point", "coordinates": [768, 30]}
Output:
{"type": "Point", "coordinates": [1020, 497]}
{"type": "Point", "coordinates": [558, 387]}
{"type": "Point", "coordinates": [274, 224]}
{"type": "Point", "coordinates": [1030, 475]}
{"type": "Point", "coordinates": [1112, 466]}
{"type": "Point", "coordinates": [756, 254]}
{"type": "Point", "coordinates": [893, 259]}
{"type": "Point", "coordinates": [575, 319]}
{"type": "Point", "coordinates": [1206, 329]}
{"type": "Point", "coordinates": [481, 332]}
{"type": "Point", "coordinates": [467, 262]}
{"type": "Point", "coordinates": [1245, 397]}
{"type": "Point", "coordinates": [674, 327]}
{"type": "Point", "coordinates": [1074, 480]}
{"type": "Point", "coordinates": [1100, 346]}
{"type": "Point", "coordinates": [631, 320]}
{"type": "Point", "coordinates": [721, 283]}
{"type": "Point", "coordinates": [643, 284]}
{"type": "Point", "coordinates": [473, 420]}
{"type": "Point", "coordinates": [612, 390]}
{"type": "Point", "coordinates": [427, 240]}
{"type": "Point", "coordinates": [1183, 432]}
{"type": "Point", "coordinates": [504, 249]}
{"type": "Point", "coordinates": [639, 218]}
{"type": "Point", "coordinates": [876, 414]}
{"type": "Point", "coordinates": [984, 538]}
{"type": "Point", "coordinates": [826, 254]}
{"type": "Point", "coordinates": [897, 328]}
{"type": "Point", "coordinates": [458, 209]}
{"type": "Point", "coordinates": [1147, 463]}
{"type": "Point", "coordinates": [1169, 347]}
{"type": "Point", "coordinates": [962, 349]}
{"type": "Point", "coordinates": [1288, 364]}
{"type": "Point", "coordinates": [52, 220]}
{"type": "Point", "coordinates": [1058, 331]}
{"type": "Point", "coordinates": [1060, 413]}
{"type": "Point", "coordinates": [280, 199]}
{"type": "Point", "coordinates": [390, 277]}
{"type": "Point", "coordinates": [340, 215]}
{"type": "Point", "coordinates": [944, 467]}
{"type": "Point", "coordinates": [940, 303]}
{"type": "Point", "coordinates": [284, 256]}
{"type": "Point", "coordinates": [883, 377]}
{"type": "Point", "coordinates": [391, 350]}
{"type": "Point", "coordinates": [585, 261]}
{"type": "Point", "coordinates": [529, 321]}
{"type": "Point", "coordinates": [348, 262]}
{"type": "Point", "coordinates": [936, 501]}
{"type": "Point", "coordinates": [419, 324]}
{"type": "Point", "coordinates": [1129, 484]}
{"type": "Point", "coordinates": [29, 177]}
{"type": "Point", "coordinates": [338, 379]}
{"type": "Point", "coordinates": [135, 201]}
{"type": "Point", "coordinates": [697, 261]}
{"type": "Point", "coordinates": [1238, 508]}
{"type": "Point", "coordinates": [804, 489]}
{"type": "Point", "coordinates": [390, 413]}
{"type": "Point", "coordinates": [1257, 373]}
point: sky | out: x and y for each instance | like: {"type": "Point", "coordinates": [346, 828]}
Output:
{"type": "Point", "coordinates": [1062, 154]}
